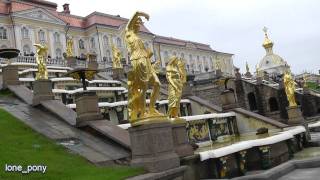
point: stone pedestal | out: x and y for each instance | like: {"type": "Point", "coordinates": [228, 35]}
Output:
{"type": "Point", "coordinates": [152, 147]}
{"type": "Point", "coordinates": [93, 65]}
{"type": "Point", "coordinates": [294, 116]}
{"type": "Point", "coordinates": [180, 139]}
{"type": "Point", "coordinates": [228, 100]}
{"type": "Point", "coordinates": [218, 73]}
{"type": "Point", "coordinates": [71, 62]}
{"type": "Point", "coordinates": [117, 73]}
{"type": "Point", "coordinates": [259, 80]}
{"type": "Point", "coordinates": [42, 91]}
{"type": "Point", "coordinates": [10, 76]}
{"type": "Point", "coordinates": [87, 108]}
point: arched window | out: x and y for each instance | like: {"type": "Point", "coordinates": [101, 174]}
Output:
{"type": "Point", "coordinates": [58, 53]}
{"type": "Point", "coordinates": [92, 43]}
{"type": "Point", "coordinates": [174, 53]}
{"type": "Point", "coordinates": [81, 44]}
{"type": "Point", "coordinates": [166, 56]}
{"type": "Point", "coordinates": [56, 37]}
{"type": "Point", "coordinates": [273, 104]}
{"type": "Point", "coordinates": [252, 101]}
{"type": "Point", "coordinates": [25, 33]}
{"type": "Point", "coordinates": [119, 44]}
{"type": "Point", "coordinates": [105, 41]}
{"type": "Point", "coordinates": [26, 49]}
{"type": "Point", "coordinates": [41, 35]}
{"type": "Point", "coordinates": [3, 47]}
{"type": "Point", "coordinates": [182, 55]}
{"type": "Point", "coordinates": [3, 33]}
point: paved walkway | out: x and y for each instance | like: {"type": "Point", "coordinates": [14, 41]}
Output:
{"type": "Point", "coordinates": [302, 174]}
{"type": "Point", "coordinates": [96, 150]}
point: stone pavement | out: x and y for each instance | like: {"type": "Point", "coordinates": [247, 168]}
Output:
{"type": "Point", "coordinates": [96, 150]}
{"type": "Point", "coordinates": [22, 92]}
{"type": "Point", "coordinates": [111, 131]}
{"type": "Point", "coordinates": [57, 108]}
{"type": "Point", "coordinates": [302, 174]}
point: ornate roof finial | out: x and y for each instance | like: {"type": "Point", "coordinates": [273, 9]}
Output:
{"type": "Point", "coordinates": [267, 42]}
{"type": "Point", "coordinates": [247, 67]}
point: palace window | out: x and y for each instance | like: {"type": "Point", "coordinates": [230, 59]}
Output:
{"type": "Point", "coordinates": [81, 44]}
{"type": "Point", "coordinates": [3, 33]}
{"type": "Point", "coordinates": [174, 53]}
{"type": "Point", "coordinates": [119, 44]}
{"type": "Point", "coordinates": [25, 33]}
{"type": "Point", "coordinates": [58, 53]}
{"type": "Point", "coordinates": [182, 56]}
{"type": "Point", "coordinates": [56, 37]}
{"type": "Point", "coordinates": [26, 49]}
{"type": "Point", "coordinates": [146, 45]}
{"type": "Point", "coordinates": [106, 41]}
{"type": "Point", "coordinates": [41, 35]}
{"type": "Point", "coordinates": [166, 57]}
{"type": "Point", "coordinates": [92, 43]}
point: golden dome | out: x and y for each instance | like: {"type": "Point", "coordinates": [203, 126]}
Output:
{"type": "Point", "coordinates": [267, 43]}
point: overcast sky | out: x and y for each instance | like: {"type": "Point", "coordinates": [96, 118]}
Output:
{"type": "Point", "coordinates": [233, 26]}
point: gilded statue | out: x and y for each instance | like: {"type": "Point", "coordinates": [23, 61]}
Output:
{"type": "Point", "coordinates": [156, 66]}
{"type": "Point", "coordinates": [176, 76]}
{"type": "Point", "coordinates": [289, 85]}
{"type": "Point", "coordinates": [69, 47]}
{"type": "Point", "coordinates": [41, 61]}
{"type": "Point", "coordinates": [116, 61]}
{"type": "Point", "coordinates": [218, 65]}
{"type": "Point", "coordinates": [141, 76]}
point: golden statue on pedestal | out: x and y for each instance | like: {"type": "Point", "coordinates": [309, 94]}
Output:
{"type": "Point", "coordinates": [141, 76]}
{"type": "Point", "coordinates": [69, 47]}
{"type": "Point", "coordinates": [41, 61]}
{"type": "Point", "coordinates": [289, 85]}
{"type": "Point", "coordinates": [217, 65]}
{"type": "Point", "coordinates": [176, 76]}
{"type": "Point", "coordinates": [116, 54]}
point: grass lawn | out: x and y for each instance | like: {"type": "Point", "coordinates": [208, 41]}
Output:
{"type": "Point", "coordinates": [5, 92]}
{"type": "Point", "coordinates": [20, 145]}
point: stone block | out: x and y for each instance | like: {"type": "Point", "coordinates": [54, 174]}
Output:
{"type": "Point", "coordinates": [42, 91]}
{"type": "Point", "coordinates": [10, 76]}
{"type": "Point", "coordinates": [71, 62]}
{"type": "Point", "coordinates": [180, 140]}
{"type": "Point", "coordinates": [294, 116]}
{"type": "Point", "coordinates": [152, 147]}
{"type": "Point", "coordinates": [93, 65]}
{"type": "Point", "coordinates": [87, 108]}
{"type": "Point", "coordinates": [228, 100]}
{"type": "Point", "coordinates": [117, 73]}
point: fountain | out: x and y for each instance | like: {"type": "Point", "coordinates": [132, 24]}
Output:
{"type": "Point", "coordinates": [86, 101]}
{"type": "Point", "coordinates": [9, 72]}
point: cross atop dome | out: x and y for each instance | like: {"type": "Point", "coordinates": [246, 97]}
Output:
{"type": "Point", "coordinates": [267, 42]}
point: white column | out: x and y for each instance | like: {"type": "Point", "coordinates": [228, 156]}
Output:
{"type": "Point", "coordinates": [63, 41]}
{"type": "Point", "coordinates": [33, 41]}
{"type": "Point", "coordinates": [100, 48]}
{"type": "Point", "coordinates": [75, 47]}
{"type": "Point", "coordinates": [18, 37]}
{"type": "Point", "coordinates": [51, 42]}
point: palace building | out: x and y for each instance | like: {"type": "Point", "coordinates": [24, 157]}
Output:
{"type": "Point", "coordinates": [25, 22]}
